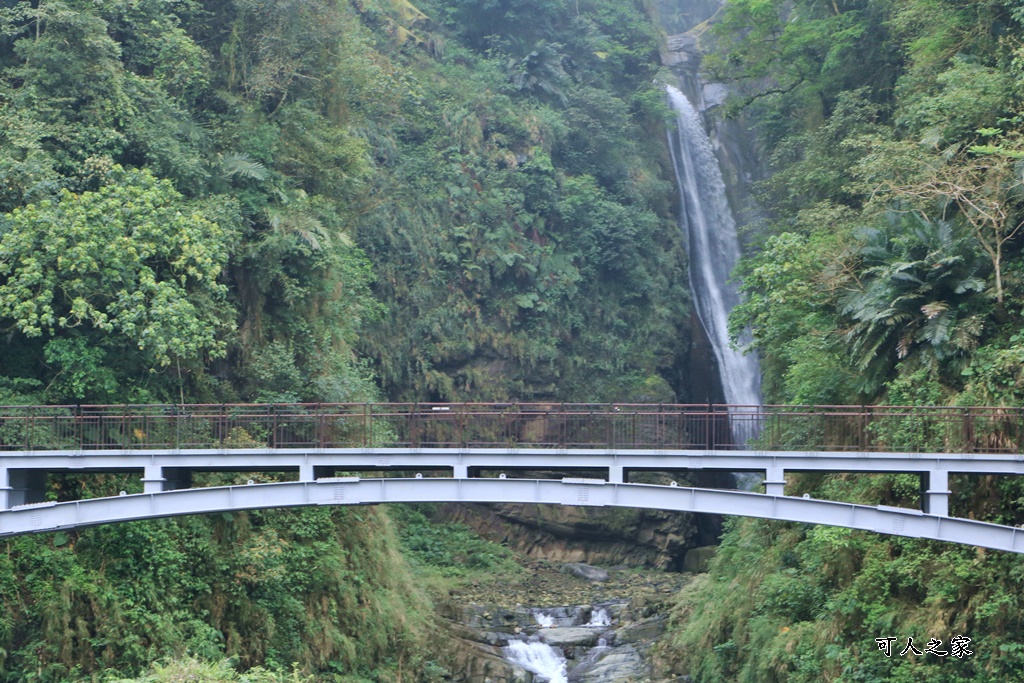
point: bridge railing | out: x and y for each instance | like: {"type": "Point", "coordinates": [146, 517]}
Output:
{"type": "Point", "coordinates": [511, 425]}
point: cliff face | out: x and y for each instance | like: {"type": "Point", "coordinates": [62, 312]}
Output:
{"type": "Point", "coordinates": [636, 538]}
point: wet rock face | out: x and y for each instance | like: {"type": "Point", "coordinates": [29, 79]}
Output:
{"type": "Point", "coordinates": [624, 664]}
{"type": "Point", "coordinates": [606, 536]}
{"type": "Point", "coordinates": [475, 662]}
{"type": "Point", "coordinates": [697, 559]}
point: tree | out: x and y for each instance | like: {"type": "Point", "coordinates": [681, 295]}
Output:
{"type": "Point", "coordinates": [133, 261]}
{"type": "Point", "coordinates": [983, 187]}
{"type": "Point", "coordinates": [914, 284]}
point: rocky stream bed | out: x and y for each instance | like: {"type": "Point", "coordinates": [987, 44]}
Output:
{"type": "Point", "coordinates": [600, 623]}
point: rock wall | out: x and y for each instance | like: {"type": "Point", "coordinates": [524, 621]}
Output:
{"type": "Point", "coordinates": [604, 536]}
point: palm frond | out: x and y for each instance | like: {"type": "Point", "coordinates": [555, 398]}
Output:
{"type": "Point", "coordinates": [241, 164]}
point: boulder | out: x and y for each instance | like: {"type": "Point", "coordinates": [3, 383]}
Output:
{"type": "Point", "coordinates": [616, 666]}
{"type": "Point", "coordinates": [644, 630]}
{"type": "Point", "coordinates": [585, 571]}
{"type": "Point", "coordinates": [570, 636]}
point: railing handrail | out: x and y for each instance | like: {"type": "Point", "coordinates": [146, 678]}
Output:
{"type": "Point", "coordinates": [967, 429]}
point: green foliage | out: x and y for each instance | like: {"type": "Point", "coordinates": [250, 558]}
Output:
{"type": "Point", "coordinates": [191, 669]}
{"type": "Point", "coordinates": [800, 56]}
{"type": "Point", "coordinates": [131, 260]}
{"type": "Point", "coordinates": [899, 232]}
{"type": "Point", "coordinates": [322, 589]}
{"type": "Point", "coordinates": [786, 310]}
{"type": "Point", "coordinates": [790, 603]}
{"type": "Point", "coordinates": [917, 286]}
{"type": "Point", "coordinates": [530, 206]}
{"type": "Point", "coordinates": [449, 549]}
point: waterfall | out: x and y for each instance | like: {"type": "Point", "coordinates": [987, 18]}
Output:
{"type": "Point", "coordinates": [710, 232]}
{"type": "Point", "coordinates": [538, 658]}
{"type": "Point", "coordinates": [544, 620]}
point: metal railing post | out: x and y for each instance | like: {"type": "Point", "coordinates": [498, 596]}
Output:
{"type": "Point", "coordinates": [126, 439]}
{"type": "Point", "coordinates": [563, 427]}
{"type": "Point", "coordinates": [463, 436]}
{"type": "Point", "coordinates": [367, 426]}
{"type": "Point", "coordinates": [414, 437]}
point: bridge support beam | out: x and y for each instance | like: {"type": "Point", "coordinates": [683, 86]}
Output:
{"type": "Point", "coordinates": [5, 489]}
{"type": "Point", "coordinates": [775, 481]}
{"type": "Point", "coordinates": [307, 473]}
{"type": "Point", "coordinates": [936, 498]}
{"type": "Point", "coordinates": [460, 471]}
{"type": "Point", "coordinates": [21, 487]}
{"type": "Point", "coordinates": [153, 479]}
{"type": "Point", "coordinates": [616, 475]}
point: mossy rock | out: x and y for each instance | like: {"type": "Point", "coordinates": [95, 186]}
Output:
{"type": "Point", "coordinates": [697, 559]}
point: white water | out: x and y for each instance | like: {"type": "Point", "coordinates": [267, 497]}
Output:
{"type": "Point", "coordinates": [537, 658]}
{"type": "Point", "coordinates": [599, 617]}
{"type": "Point", "coordinates": [544, 620]}
{"type": "Point", "coordinates": [712, 244]}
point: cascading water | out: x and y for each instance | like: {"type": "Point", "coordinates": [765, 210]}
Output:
{"type": "Point", "coordinates": [538, 658]}
{"type": "Point", "coordinates": [713, 246]}
{"type": "Point", "coordinates": [549, 664]}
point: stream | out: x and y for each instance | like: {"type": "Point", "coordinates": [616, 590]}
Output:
{"type": "Point", "coordinates": [567, 644]}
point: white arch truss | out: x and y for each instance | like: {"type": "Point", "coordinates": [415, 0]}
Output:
{"type": "Point", "coordinates": [43, 517]}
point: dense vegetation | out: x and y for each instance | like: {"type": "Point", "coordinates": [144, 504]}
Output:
{"type": "Point", "coordinates": [324, 590]}
{"type": "Point", "coordinates": [888, 270]}
{"type": "Point", "coordinates": [322, 200]}
{"type": "Point", "coordinates": [464, 201]}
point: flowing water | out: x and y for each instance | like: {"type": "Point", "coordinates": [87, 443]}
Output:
{"type": "Point", "coordinates": [713, 246]}
{"type": "Point", "coordinates": [549, 664]}
{"type": "Point", "coordinates": [538, 658]}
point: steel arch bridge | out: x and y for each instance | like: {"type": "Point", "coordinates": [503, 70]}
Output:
{"type": "Point", "coordinates": [468, 451]}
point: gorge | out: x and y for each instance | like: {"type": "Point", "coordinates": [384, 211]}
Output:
{"type": "Point", "coordinates": [229, 202]}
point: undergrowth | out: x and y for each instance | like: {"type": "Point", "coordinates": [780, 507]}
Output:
{"type": "Point", "coordinates": [447, 549]}
{"type": "Point", "coordinates": [325, 590]}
